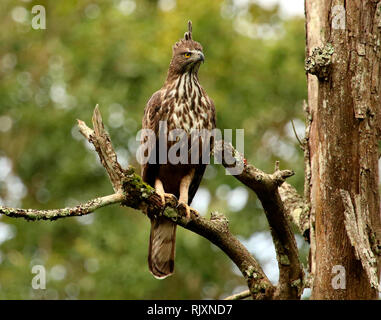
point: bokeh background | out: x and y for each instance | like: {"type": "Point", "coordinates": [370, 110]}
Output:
{"type": "Point", "coordinates": [115, 53]}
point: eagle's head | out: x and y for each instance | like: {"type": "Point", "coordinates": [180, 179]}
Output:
{"type": "Point", "coordinates": [187, 55]}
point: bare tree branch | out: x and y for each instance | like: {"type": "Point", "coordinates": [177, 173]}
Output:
{"type": "Point", "coordinates": [266, 187]}
{"type": "Point", "coordinates": [131, 191]}
{"type": "Point", "coordinates": [102, 143]}
{"type": "Point", "coordinates": [297, 210]}
{"type": "Point", "coordinates": [79, 210]}
{"type": "Point", "coordinates": [238, 296]}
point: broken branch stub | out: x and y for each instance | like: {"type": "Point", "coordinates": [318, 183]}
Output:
{"type": "Point", "coordinates": [102, 143]}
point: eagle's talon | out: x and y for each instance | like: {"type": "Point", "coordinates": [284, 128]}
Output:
{"type": "Point", "coordinates": [172, 199]}
{"type": "Point", "coordinates": [163, 197]}
{"type": "Point", "coordinates": [186, 208]}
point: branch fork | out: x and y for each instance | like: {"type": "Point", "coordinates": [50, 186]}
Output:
{"type": "Point", "coordinates": [130, 190]}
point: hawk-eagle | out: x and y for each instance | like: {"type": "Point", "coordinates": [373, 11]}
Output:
{"type": "Point", "coordinates": [183, 104]}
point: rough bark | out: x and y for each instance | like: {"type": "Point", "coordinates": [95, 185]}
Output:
{"type": "Point", "coordinates": [296, 208]}
{"type": "Point", "coordinates": [344, 99]}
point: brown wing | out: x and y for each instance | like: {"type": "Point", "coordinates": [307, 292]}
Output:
{"type": "Point", "coordinates": [200, 170]}
{"type": "Point", "coordinates": [161, 250]}
{"type": "Point", "coordinates": [151, 118]}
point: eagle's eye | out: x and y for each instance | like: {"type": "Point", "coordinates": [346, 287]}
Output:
{"type": "Point", "coordinates": [187, 55]}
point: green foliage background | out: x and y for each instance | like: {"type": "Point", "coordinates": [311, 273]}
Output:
{"type": "Point", "coordinates": [116, 54]}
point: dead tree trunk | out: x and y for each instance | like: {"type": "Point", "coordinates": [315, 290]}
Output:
{"type": "Point", "coordinates": [344, 101]}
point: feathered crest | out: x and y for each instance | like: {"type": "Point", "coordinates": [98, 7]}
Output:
{"type": "Point", "coordinates": [188, 34]}
{"type": "Point", "coordinates": [187, 38]}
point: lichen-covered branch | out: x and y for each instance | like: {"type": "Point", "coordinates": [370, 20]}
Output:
{"type": "Point", "coordinates": [266, 187]}
{"type": "Point", "coordinates": [79, 210]}
{"type": "Point", "coordinates": [141, 196]}
{"type": "Point", "coordinates": [238, 296]}
{"type": "Point", "coordinates": [102, 143]}
{"type": "Point", "coordinates": [297, 210]}
{"type": "Point", "coordinates": [131, 191]}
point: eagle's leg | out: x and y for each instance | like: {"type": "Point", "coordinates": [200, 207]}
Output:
{"type": "Point", "coordinates": [184, 191]}
{"type": "Point", "coordinates": [160, 190]}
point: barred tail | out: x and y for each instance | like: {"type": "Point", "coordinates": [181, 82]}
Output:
{"type": "Point", "coordinates": [161, 255]}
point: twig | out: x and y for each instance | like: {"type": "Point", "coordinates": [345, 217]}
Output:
{"type": "Point", "coordinates": [238, 296]}
{"type": "Point", "coordinates": [301, 144]}
{"type": "Point", "coordinates": [79, 210]}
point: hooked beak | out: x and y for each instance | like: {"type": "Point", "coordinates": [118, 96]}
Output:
{"type": "Point", "coordinates": [201, 57]}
